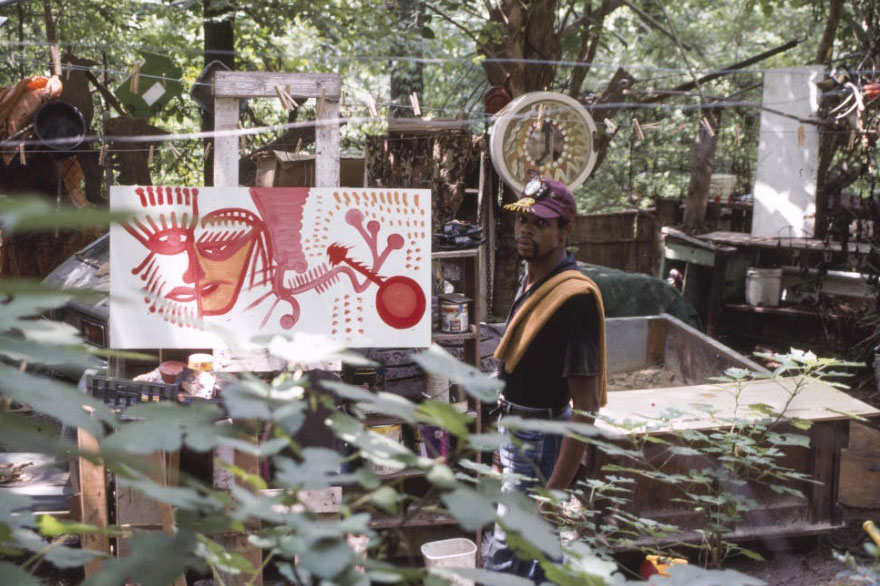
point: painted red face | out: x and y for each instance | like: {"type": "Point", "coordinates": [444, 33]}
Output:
{"type": "Point", "coordinates": [211, 255]}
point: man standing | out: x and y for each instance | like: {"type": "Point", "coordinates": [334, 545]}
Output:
{"type": "Point", "coordinates": [552, 354]}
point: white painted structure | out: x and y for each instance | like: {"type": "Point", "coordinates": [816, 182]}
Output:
{"type": "Point", "coordinates": [788, 150]}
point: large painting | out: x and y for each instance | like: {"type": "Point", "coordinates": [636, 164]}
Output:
{"type": "Point", "coordinates": [202, 267]}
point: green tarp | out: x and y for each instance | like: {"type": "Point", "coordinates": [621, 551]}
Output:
{"type": "Point", "coordinates": [634, 294]}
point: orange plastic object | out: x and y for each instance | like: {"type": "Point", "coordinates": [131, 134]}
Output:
{"type": "Point", "coordinates": [656, 564]}
{"type": "Point", "coordinates": [37, 82]}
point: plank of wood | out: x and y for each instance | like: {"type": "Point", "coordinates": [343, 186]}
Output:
{"type": "Point", "coordinates": [93, 500]}
{"type": "Point", "coordinates": [327, 145]}
{"type": "Point", "coordinates": [253, 84]}
{"type": "Point", "coordinates": [864, 440]}
{"type": "Point", "coordinates": [859, 479]}
{"type": "Point", "coordinates": [225, 147]}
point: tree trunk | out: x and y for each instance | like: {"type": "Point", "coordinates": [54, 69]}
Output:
{"type": "Point", "coordinates": [219, 45]}
{"type": "Point", "coordinates": [701, 173]}
{"type": "Point", "coordinates": [406, 76]}
{"type": "Point", "coordinates": [828, 141]}
{"type": "Point", "coordinates": [506, 258]}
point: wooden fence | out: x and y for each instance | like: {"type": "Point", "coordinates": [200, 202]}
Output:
{"type": "Point", "coordinates": [624, 240]}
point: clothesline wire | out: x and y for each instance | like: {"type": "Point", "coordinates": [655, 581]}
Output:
{"type": "Point", "coordinates": [482, 117]}
{"type": "Point", "coordinates": [476, 62]}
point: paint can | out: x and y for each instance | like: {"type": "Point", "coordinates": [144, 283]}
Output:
{"type": "Point", "coordinates": [454, 313]}
{"type": "Point", "coordinates": [201, 362]}
{"type": "Point", "coordinates": [371, 378]}
{"type": "Point", "coordinates": [393, 432]}
{"type": "Point", "coordinates": [436, 387]}
{"type": "Point", "coordinates": [433, 442]}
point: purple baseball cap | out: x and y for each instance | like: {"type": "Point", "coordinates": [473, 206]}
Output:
{"type": "Point", "coordinates": [546, 198]}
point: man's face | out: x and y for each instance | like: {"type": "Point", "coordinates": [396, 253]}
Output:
{"type": "Point", "coordinates": [537, 238]}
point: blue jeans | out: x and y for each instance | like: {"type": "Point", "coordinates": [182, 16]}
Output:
{"type": "Point", "coordinates": [534, 457]}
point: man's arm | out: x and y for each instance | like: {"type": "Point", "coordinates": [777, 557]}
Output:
{"type": "Point", "coordinates": [584, 391]}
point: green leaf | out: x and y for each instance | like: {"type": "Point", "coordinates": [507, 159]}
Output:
{"type": "Point", "coordinates": [172, 550]}
{"type": "Point", "coordinates": [327, 557]}
{"type": "Point", "coordinates": [427, 33]}
{"type": "Point", "coordinates": [683, 451]}
{"type": "Point", "coordinates": [26, 214]}
{"type": "Point", "coordinates": [12, 574]}
{"type": "Point", "coordinates": [319, 469]}
{"type": "Point", "coordinates": [216, 556]}
{"type": "Point", "coordinates": [388, 404]}
{"type": "Point", "coordinates": [471, 509]}
{"type": "Point", "coordinates": [802, 424]}
{"type": "Point", "coordinates": [476, 384]}
{"type": "Point", "coordinates": [480, 576]}
{"type": "Point", "coordinates": [53, 527]}
{"type": "Point", "coordinates": [57, 399]}
{"type": "Point", "coordinates": [443, 414]}
{"type": "Point", "coordinates": [167, 426]}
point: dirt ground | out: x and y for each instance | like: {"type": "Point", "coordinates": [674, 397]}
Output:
{"type": "Point", "coordinates": [656, 377]}
{"type": "Point", "coordinates": [809, 561]}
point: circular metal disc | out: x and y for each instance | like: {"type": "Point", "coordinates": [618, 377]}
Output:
{"type": "Point", "coordinates": [561, 148]}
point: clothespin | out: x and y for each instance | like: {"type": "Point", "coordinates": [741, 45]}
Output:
{"type": "Point", "coordinates": [102, 155]}
{"type": "Point", "coordinates": [174, 149]}
{"type": "Point", "coordinates": [287, 101]}
{"type": "Point", "coordinates": [611, 126]}
{"type": "Point", "coordinates": [705, 123]}
{"type": "Point", "coordinates": [638, 129]}
{"type": "Point", "coordinates": [135, 78]}
{"type": "Point", "coordinates": [242, 140]}
{"type": "Point", "coordinates": [299, 144]}
{"type": "Point", "coordinates": [414, 101]}
{"type": "Point", "coordinates": [281, 98]}
{"type": "Point", "coordinates": [150, 156]}
{"type": "Point", "coordinates": [21, 156]}
{"type": "Point", "coordinates": [207, 151]}
{"type": "Point", "coordinates": [801, 135]}
{"type": "Point", "coordinates": [541, 112]}
{"type": "Point", "coordinates": [736, 135]}
{"type": "Point", "coordinates": [371, 105]}
{"type": "Point", "coordinates": [67, 70]}
{"type": "Point", "coordinates": [164, 81]}
{"type": "Point", "coordinates": [319, 107]}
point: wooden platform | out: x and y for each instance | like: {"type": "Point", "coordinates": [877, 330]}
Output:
{"type": "Point", "coordinates": [816, 402]}
{"type": "Point", "coordinates": [711, 407]}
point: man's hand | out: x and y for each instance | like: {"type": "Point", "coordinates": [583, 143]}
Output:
{"type": "Point", "coordinates": [584, 391]}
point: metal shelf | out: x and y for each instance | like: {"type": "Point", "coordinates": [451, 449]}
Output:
{"type": "Point", "coordinates": [472, 333]}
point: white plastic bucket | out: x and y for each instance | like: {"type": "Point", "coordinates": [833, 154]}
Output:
{"type": "Point", "coordinates": [459, 552]}
{"type": "Point", "coordinates": [763, 286]}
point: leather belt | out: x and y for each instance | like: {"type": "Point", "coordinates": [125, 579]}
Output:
{"type": "Point", "coordinates": [508, 408]}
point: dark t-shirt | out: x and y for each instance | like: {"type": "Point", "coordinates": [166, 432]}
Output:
{"type": "Point", "coordinates": [567, 345]}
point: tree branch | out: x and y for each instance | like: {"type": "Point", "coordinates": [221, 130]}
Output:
{"type": "Point", "coordinates": [651, 22]}
{"type": "Point", "coordinates": [725, 70]}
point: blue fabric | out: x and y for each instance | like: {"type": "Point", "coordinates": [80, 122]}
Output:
{"type": "Point", "coordinates": [533, 458]}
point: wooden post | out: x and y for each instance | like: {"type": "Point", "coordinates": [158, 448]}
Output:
{"type": "Point", "coordinates": [92, 500]}
{"type": "Point", "coordinates": [232, 86]}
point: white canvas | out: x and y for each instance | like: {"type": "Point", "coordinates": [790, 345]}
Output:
{"type": "Point", "coordinates": [213, 267]}
{"type": "Point", "coordinates": [785, 179]}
